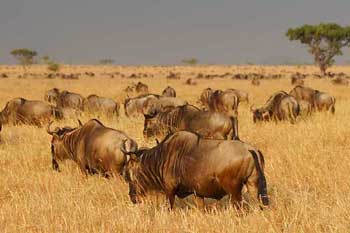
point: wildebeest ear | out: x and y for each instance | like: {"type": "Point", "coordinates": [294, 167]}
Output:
{"type": "Point", "coordinates": [128, 146]}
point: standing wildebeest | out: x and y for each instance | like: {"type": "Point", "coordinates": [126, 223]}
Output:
{"type": "Point", "coordinates": [141, 88]}
{"type": "Point", "coordinates": [243, 96]}
{"type": "Point", "coordinates": [32, 112]}
{"type": "Point", "coordinates": [134, 106]}
{"type": "Point", "coordinates": [94, 103]}
{"type": "Point", "coordinates": [52, 95]}
{"type": "Point", "coordinates": [184, 164]}
{"type": "Point", "coordinates": [224, 101]}
{"type": "Point", "coordinates": [68, 99]}
{"type": "Point", "coordinates": [169, 92]}
{"type": "Point", "coordinates": [204, 98]}
{"type": "Point", "coordinates": [94, 147]}
{"type": "Point", "coordinates": [255, 82]}
{"type": "Point", "coordinates": [319, 101]}
{"type": "Point", "coordinates": [161, 103]}
{"type": "Point", "coordinates": [278, 107]}
{"type": "Point", "coordinates": [213, 125]}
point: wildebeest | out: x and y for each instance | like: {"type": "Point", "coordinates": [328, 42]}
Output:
{"type": "Point", "coordinates": [213, 125]}
{"type": "Point", "coordinates": [52, 95]}
{"type": "Point", "coordinates": [224, 101]}
{"type": "Point", "coordinates": [205, 96]}
{"type": "Point", "coordinates": [297, 81]}
{"type": "Point", "coordinates": [324, 102]}
{"type": "Point", "coordinates": [135, 106]}
{"type": "Point", "coordinates": [319, 101]}
{"type": "Point", "coordinates": [255, 82]}
{"type": "Point", "coordinates": [68, 99]}
{"type": "Point", "coordinates": [280, 106]}
{"type": "Point", "coordinates": [159, 104]}
{"type": "Point", "coordinates": [243, 96]}
{"type": "Point", "coordinates": [94, 147]}
{"type": "Point", "coordinates": [141, 88]}
{"type": "Point", "coordinates": [340, 81]}
{"type": "Point", "coordinates": [184, 164]}
{"type": "Point", "coordinates": [94, 103]}
{"type": "Point", "coordinates": [169, 92]}
{"type": "Point", "coordinates": [32, 112]}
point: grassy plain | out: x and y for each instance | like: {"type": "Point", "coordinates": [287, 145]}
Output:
{"type": "Point", "coordinates": [307, 164]}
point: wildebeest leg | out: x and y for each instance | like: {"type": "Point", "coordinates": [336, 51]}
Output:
{"type": "Point", "coordinates": [199, 201]}
{"type": "Point", "coordinates": [83, 169]}
{"type": "Point", "coordinates": [55, 165]}
{"type": "Point", "coordinates": [236, 198]}
{"type": "Point", "coordinates": [171, 199]}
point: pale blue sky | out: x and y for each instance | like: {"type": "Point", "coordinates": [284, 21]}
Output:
{"type": "Point", "coordinates": [164, 31]}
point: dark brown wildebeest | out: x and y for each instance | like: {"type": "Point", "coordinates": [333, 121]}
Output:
{"type": "Point", "coordinates": [184, 164]}
{"type": "Point", "coordinates": [134, 106]}
{"type": "Point", "coordinates": [94, 103]}
{"type": "Point", "coordinates": [158, 105]}
{"type": "Point", "coordinates": [204, 98]}
{"type": "Point", "coordinates": [243, 96]}
{"type": "Point", "coordinates": [190, 82]}
{"type": "Point", "coordinates": [94, 147]}
{"type": "Point", "coordinates": [32, 112]}
{"type": "Point", "coordinates": [68, 99]}
{"type": "Point", "coordinates": [52, 95]}
{"type": "Point", "coordinates": [213, 125]}
{"type": "Point", "coordinates": [169, 92]}
{"type": "Point", "coordinates": [141, 88]}
{"type": "Point", "coordinates": [224, 101]}
{"type": "Point", "coordinates": [319, 101]}
{"type": "Point", "coordinates": [340, 81]}
{"type": "Point", "coordinates": [324, 102]}
{"type": "Point", "coordinates": [278, 107]}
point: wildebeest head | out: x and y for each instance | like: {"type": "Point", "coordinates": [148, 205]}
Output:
{"type": "Point", "coordinates": [52, 95]}
{"type": "Point", "coordinates": [131, 167]}
{"type": "Point", "coordinates": [58, 151]}
{"type": "Point", "coordinates": [151, 127]}
{"type": "Point", "coordinates": [260, 114]}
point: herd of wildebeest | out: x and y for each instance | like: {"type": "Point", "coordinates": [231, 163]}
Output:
{"type": "Point", "coordinates": [198, 148]}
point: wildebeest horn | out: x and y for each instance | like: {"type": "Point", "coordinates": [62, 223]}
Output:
{"type": "Point", "coordinates": [51, 132]}
{"type": "Point", "coordinates": [80, 124]}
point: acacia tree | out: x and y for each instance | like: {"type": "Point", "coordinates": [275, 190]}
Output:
{"type": "Point", "coordinates": [325, 41]}
{"type": "Point", "coordinates": [24, 56]}
{"type": "Point", "coordinates": [191, 61]}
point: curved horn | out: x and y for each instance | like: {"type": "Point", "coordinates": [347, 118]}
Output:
{"type": "Point", "coordinates": [48, 130]}
{"type": "Point", "coordinates": [80, 124]}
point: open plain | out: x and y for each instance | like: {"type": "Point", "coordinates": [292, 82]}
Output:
{"type": "Point", "coordinates": [307, 163]}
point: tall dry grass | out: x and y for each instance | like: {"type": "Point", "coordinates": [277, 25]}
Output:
{"type": "Point", "coordinates": [307, 164]}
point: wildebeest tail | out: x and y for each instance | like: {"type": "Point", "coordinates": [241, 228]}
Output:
{"type": "Point", "coordinates": [262, 187]}
{"type": "Point", "coordinates": [235, 135]}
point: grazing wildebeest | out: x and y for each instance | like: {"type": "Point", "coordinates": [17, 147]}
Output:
{"type": "Point", "coordinates": [224, 101]}
{"type": "Point", "coordinates": [340, 81]}
{"type": "Point", "coordinates": [324, 102]}
{"type": "Point", "coordinates": [157, 105]}
{"type": "Point", "coordinates": [68, 99]}
{"type": "Point", "coordinates": [204, 98]}
{"type": "Point", "coordinates": [184, 164]}
{"type": "Point", "coordinates": [32, 112]}
{"type": "Point", "coordinates": [52, 95]}
{"type": "Point", "coordinates": [94, 147]}
{"type": "Point", "coordinates": [278, 107]}
{"type": "Point", "coordinates": [319, 101]}
{"type": "Point", "coordinates": [141, 88]}
{"type": "Point", "coordinates": [169, 92]}
{"type": "Point", "coordinates": [94, 103]}
{"type": "Point", "coordinates": [213, 125]}
{"type": "Point", "coordinates": [243, 96]}
{"type": "Point", "coordinates": [135, 106]}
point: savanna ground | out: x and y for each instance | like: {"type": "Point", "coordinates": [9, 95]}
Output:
{"type": "Point", "coordinates": [307, 164]}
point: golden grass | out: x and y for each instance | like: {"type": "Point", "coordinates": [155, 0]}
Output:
{"type": "Point", "coordinates": [307, 164]}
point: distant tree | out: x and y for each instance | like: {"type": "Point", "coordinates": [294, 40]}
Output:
{"type": "Point", "coordinates": [325, 41]}
{"type": "Point", "coordinates": [191, 61]}
{"type": "Point", "coordinates": [24, 56]}
{"type": "Point", "coordinates": [106, 61]}
{"type": "Point", "coordinates": [53, 67]}
{"type": "Point", "coordinates": [46, 59]}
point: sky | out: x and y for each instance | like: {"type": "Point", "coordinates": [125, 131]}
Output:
{"type": "Point", "coordinates": [134, 32]}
